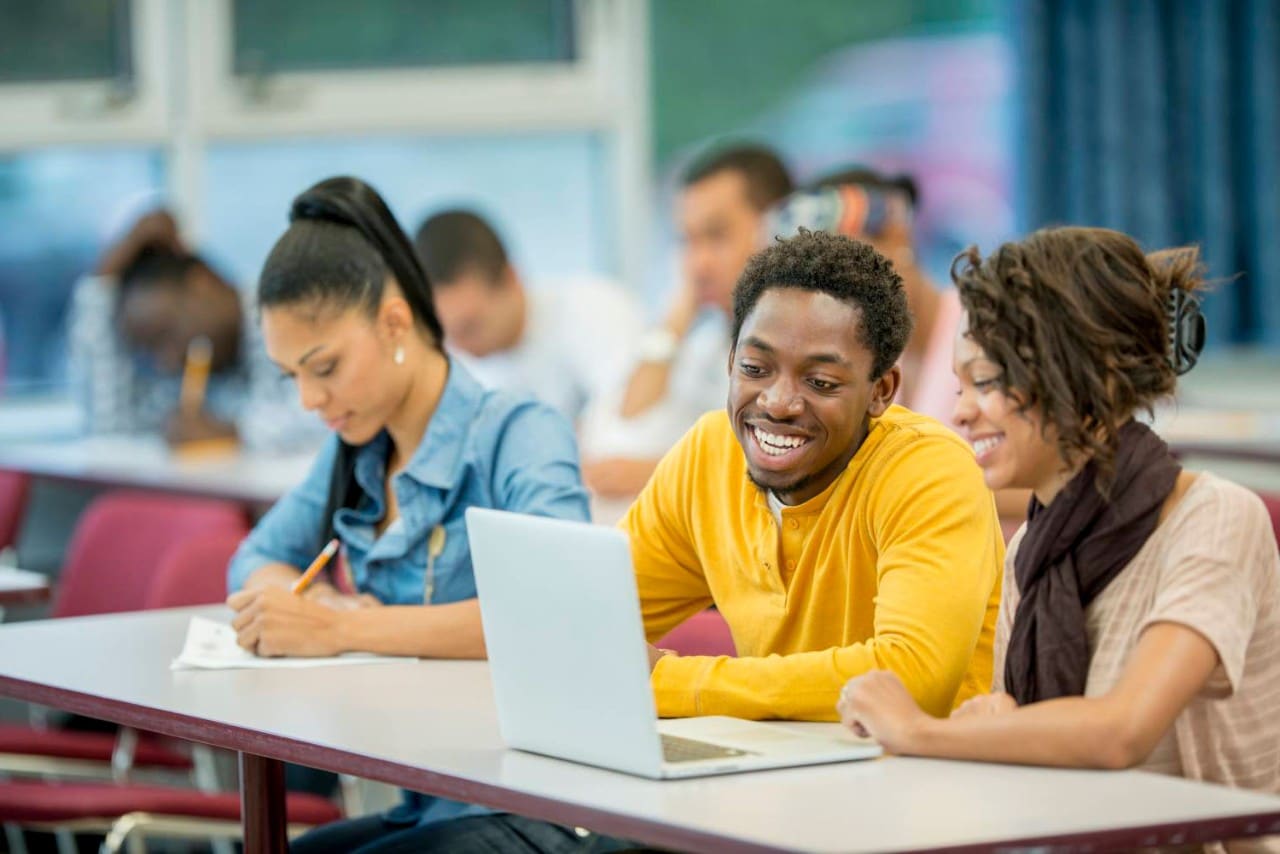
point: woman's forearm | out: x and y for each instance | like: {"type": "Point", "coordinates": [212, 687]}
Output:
{"type": "Point", "coordinates": [425, 631]}
{"type": "Point", "coordinates": [1073, 732]}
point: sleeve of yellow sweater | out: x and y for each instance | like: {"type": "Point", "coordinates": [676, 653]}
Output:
{"type": "Point", "coordinates": [669, 575]}
{"type": "Point", "coordinates": [934, 523]}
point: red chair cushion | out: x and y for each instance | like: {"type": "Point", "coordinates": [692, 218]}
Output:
{"type": "Point", "coordinates": [54, 802]}
{"type": "Point", "coordinates": [152, 751]}
{"type": "Point", "coordinates": [1272, 502]}
{"type": "Point", "coordinates": [14, 487]}
{"type": "Point", "coordinates": [705, 633]}
{"type": "Point", "coordinates": [119, 541]}
{"type": "Point", "coordinates": [194, 571]}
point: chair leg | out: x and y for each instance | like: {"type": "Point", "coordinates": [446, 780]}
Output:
{"type": "Point", "coordinates": [122, 754]}
{"type": "Point", "coordinates": [352, 795]}
{"type": "Point", "coordinates": [15, 838]}
{"type": "Point", "coordinates": [122, 834]}
{"type": "Point", "coordinates": [66, 841]}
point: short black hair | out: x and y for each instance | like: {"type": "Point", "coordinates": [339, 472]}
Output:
{"type": "Point", "coordinates": [865, 176]}
{"type": "Point", "coordinates": [768, 181]}
{"type": "Point", "coordinates": [454, 242]}
{"type": "Point", "coordinates": [850, 271]}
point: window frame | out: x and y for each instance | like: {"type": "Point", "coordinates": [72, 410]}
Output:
{"type": "Point", "coordinates": [187, 97]}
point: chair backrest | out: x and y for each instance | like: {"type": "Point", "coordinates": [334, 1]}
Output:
{"type": "Point", "coordinates": [119, 541]}
{"type": "Point", "coordinates": [14, 486]}
{"type": "Point", "coordinates": [705, 633]}
{"type": "Point", "coordinates": [194, 571]}
{"type": "Point", "coordinates": [1272, 501]}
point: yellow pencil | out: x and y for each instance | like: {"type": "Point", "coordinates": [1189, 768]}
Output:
{"type": "Point", "coordinates": [195, 374]}
{"type": "Point", "coordinates": [304, 581]}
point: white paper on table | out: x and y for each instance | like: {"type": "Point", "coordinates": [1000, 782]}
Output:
{"type": "Point", "coordinates": [211, 645]}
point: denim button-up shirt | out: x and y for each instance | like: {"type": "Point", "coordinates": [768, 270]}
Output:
{"type": "Point", "coordinates": [482, 449]}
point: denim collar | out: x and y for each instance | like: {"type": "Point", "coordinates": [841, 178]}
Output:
{"type": "Point", "coordinates": [437, 460]}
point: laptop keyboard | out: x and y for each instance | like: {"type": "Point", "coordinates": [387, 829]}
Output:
{"type": "Point", "coordinates": [676, 749]}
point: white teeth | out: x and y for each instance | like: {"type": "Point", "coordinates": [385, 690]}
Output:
{"type": "Point", "coordinates": [981, 446]}
{"type": "Point", "coordinates": [776, 445]}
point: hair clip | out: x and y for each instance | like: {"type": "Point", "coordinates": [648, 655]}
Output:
{"type": "Point", "coordinates": [1186, 330]}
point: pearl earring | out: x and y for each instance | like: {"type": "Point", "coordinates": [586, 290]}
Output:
{"type": "Point", "coordinates": [399, 354]}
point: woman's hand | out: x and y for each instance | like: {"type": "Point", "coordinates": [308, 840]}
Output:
{"type": "Point", "coordinates": [272, 621]}
{"type": "Point", "coordinates": [878, 705]}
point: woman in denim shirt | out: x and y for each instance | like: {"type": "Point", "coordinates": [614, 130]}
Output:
{"type": "Point", "coordinates": [347, 313]}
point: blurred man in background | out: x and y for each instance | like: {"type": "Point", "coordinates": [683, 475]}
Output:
{"type": "Point", "coordinates": [569, 343]}
{"type": "Point", "coordinates": [682, 364]}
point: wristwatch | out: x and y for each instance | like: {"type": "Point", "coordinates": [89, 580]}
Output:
{"type": "Point", "coordinates": [658, 345]}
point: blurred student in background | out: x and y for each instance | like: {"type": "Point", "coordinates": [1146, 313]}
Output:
{"type": "Point", "coordinates": [567, 343]}
{"type": "Point", "coordinates": [347, 312]}
{"type": "Point", "coordinates": [681, 371]}
{"type": "Point", "coordinates": [879, 209]}
{"type": "Point", "coordinates": [1140, 621]}
{"type": "Point", "coordinates": [132, 328]}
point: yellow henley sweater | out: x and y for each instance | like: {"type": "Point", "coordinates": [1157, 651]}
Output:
{"type": "Point", "coordinates": [896, 565]}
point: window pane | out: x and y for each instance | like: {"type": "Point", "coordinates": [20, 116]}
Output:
{"type": "Point", "coordinates": [58, 208]}
{"type": "Point", "coordinates": [321, 35]}
{"type": "Point", "coordinates": [65, 40]}
{"type": "Point", "coordinates": [542, 192]}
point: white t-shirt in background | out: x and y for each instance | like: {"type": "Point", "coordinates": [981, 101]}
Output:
{"type": "Point", "coordinates": [576, 354]}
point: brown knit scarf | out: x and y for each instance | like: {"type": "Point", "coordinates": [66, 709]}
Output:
{"type": "Point", "coordinates": [1071, 551]}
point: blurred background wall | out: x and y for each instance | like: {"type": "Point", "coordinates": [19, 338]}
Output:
{"type": "Point", "coordinates": [567, 122]}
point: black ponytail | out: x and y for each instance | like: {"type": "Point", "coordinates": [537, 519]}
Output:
{"type": "Point", "coordinates": [340, 248]}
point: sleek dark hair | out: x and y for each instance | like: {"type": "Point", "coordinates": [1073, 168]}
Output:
{"type": "Point", "coordinates": [454, 242]}
{"type": "Point", "coordinates": [341, 245]}
{"type": "Point", "coordinates": [768, 181]}
{"type": "Point", "coordinates": [865, 176]}
{"type": "Point", "coordinates": [850, 271]}
{"type": "Point", "coordinates": [1079, 321]}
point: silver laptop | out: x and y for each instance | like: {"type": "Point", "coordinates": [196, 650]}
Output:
{"type": "Point", "coordinates": [570, 668]}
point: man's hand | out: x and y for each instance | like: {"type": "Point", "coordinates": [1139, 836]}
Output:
{"type": "Point", "coordinates": [655, 654]}
{"type": "Point", "coordinates": [617, 477]}
{"type": "Point", "coordinates": [878, 705]}
{"type": "Point", "coordinates": [272, 621]}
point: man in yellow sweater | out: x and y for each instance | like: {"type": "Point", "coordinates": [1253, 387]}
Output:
{"type": "Point", "coordinates": [837, 533]}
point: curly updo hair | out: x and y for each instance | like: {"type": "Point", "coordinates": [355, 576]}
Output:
{"type": "Point", "coordinates": [850, 271]}
{"type": "Point", "coordinates": [1078, 321]}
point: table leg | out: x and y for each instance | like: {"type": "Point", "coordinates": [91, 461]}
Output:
{"type": "Point", "coordinates": [262, 804]}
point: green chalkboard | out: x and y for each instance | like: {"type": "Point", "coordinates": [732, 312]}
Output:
{"type": "Point", "coordinates": [51, 40]}
{"type": "Point", "coordinates": [718, 63]}
{"type": "Point", "coordinates": [322, 35]}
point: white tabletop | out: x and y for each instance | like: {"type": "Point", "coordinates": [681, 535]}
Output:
{"type": "Point", "coordinates": [431, 726]}
{"type": "Point", "coordinates": [147, 462]}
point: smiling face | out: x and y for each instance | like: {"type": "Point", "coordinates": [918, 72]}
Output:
{"type": "Point", "coordinates": [341, 360]}
{"type": "Point", "coordinates": [1012, 447]}
{"type": "Point", "coordinates": [801, 391]}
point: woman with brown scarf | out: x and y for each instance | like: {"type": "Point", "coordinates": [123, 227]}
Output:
{"type": "Point", "coordinates": [1140, 621]}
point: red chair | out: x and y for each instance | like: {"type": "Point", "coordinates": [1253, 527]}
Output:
{"type": "Point", "coordinates": [1272, 502]}
{"type": "Point", "coordinates": [129, 812]}
{"type": "Point", "coordinates": [116, 554]}
{"type": "Point", "coordinates": [119, 541]}
{"type": "Point", "coordinates": [705, 633]}
{"type": "Point", "coordinates": [194, 571]}
{"type": "Point", "coordinates": [14, 487]}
